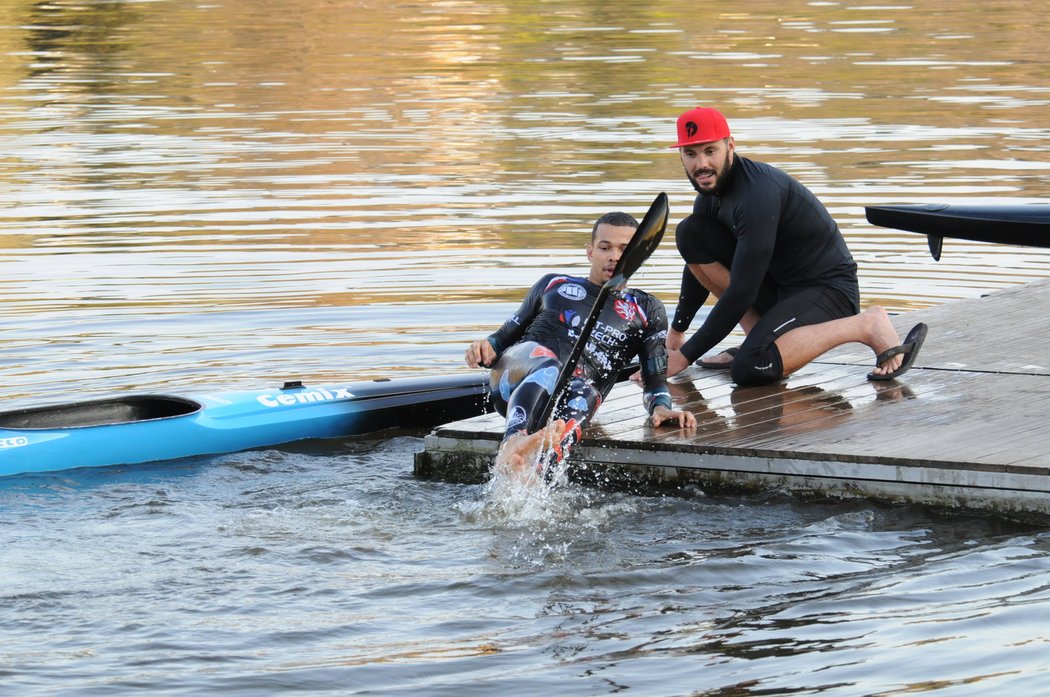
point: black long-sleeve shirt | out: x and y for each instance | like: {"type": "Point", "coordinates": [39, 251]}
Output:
{"type": "Point", "coordinates": [782, 233]}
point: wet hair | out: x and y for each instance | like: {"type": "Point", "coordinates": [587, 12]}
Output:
{"type": "Point", "coordinates": [616, 219]}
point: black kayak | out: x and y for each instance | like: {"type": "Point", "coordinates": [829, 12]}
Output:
{"type": "Point", "coordinates": [1026, 225]}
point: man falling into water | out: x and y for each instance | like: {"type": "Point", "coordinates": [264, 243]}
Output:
{"type": "Point", "coordinates": [526, 353]}
{"type": "Point", "coordinates": [769, 251]}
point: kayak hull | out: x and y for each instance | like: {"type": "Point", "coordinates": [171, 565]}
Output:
{"type": "Point", "coordinates": [1027, 225]}
{"type": "Point", "coordinates": [1024, 225]}
{"type": "Point", "coordinates": [148, 428]}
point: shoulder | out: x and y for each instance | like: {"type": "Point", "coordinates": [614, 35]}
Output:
{"type": "Point", "coordinates": [644, 299]}
{"type": "Point", "coordinates": [556, 278]}
{"type": "Point", "coordinates": [757, 173]}
{"type": "Point", "coordinates": [647, 311]}
{"type": "Point", "coordinates": [550, 280]}
{"type": "Point", "coordinates": [569, 287]}
{"type": "Point", "coordinates": [759, 192]}
{"type": "Point", "coordinates": [640, 294]}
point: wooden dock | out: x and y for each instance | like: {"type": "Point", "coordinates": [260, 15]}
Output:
{"type": "Point", "coordinates": [968, 428]}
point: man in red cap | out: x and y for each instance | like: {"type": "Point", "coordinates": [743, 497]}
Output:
{"type": "Point", "coordinates": [769, 251]}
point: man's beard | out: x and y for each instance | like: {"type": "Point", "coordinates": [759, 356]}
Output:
{"type": "Point", "coordinates": [720, 178]}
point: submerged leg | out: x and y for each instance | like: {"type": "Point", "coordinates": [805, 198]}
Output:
{"type": "Point", "coordinates": [521, 454]}
{"type": "Point", "coordinates": [524, 453]}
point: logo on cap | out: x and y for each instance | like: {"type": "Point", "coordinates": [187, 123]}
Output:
{"type": "Point", "coordinates": [701, 125]}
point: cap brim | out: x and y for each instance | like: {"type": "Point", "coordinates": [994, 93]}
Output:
{"type": "Point", "coordinates": [695, 142]}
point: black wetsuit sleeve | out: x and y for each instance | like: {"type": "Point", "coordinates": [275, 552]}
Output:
{"type": "Point", "coordinates": [514, 328]}
{"type": "Point", "coordinates": [691, 297]}
{"type": "Point", "coordinates": [756, 227]}
{"type": "Point", "coordinates": [653, 357]}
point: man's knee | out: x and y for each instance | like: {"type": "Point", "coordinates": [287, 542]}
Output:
{"type": "Point", "coordinates": [714, 277]}
{"type": "Point", "coordinates": [706, 234]}
{"type": "Point", "coordinates": [756, 368]}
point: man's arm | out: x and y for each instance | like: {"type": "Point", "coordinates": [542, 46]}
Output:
{"type": "Point", "coordinates": [710, 246]}
{"type": "Point", "coordinates": [653, 357]}
{"type": "Point", "coordinates": [755, 222]}
{"type": "Point", "coordinates": [483, 353]}
{"type": "Point", "coordinates": [690, 298]}
{"type": "Point", "coordinates": [715, 277]}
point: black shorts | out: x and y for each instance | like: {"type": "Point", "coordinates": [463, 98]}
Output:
{"type": "Point", "coordinates": [759, 361]}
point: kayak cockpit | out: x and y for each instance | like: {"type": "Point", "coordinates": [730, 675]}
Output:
{"type": "Point", "coordinates": [100, 412]}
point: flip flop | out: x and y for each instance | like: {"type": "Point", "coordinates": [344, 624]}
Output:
{"type": "Point", "coordinates": [910, 349]}
{"type": "Point", "coordinates": [718, 365]}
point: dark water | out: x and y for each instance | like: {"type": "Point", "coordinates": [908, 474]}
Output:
{"type": "Point", "coordinates": [236, 193]}
{"type": "Point", "coordinates": [332, 569]}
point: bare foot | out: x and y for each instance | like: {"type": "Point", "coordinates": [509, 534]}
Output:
{"type": "Point", "coordinates": [882, 336]}
{"type": "Point", "coordinates": [520, 453]}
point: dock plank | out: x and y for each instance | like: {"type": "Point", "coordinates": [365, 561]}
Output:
{"type": "Point", "coordinates": [966, 428]}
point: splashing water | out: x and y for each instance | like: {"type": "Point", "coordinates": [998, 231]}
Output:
{"type": "Point", "coordinates": [529, 491]}
{"type": "Point", "coordinates": [547, 519]}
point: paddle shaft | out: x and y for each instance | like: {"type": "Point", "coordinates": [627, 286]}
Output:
{"type": "Point", "coordinates": [569, 366]}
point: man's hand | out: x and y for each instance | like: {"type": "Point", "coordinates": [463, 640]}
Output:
{"type": "Point", "coordinates": [480, 354]}
{"type": "Point", "coordinates": [674, 340]}
{"type": "Point", "coordinates": [676, 363]}
{"type": "Point", "coordinates": [662, 415]}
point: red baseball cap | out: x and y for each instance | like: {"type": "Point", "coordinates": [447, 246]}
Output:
{"type": "Point", "coordinates": [701, 125]}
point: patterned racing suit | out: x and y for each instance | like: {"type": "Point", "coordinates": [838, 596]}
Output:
{"type": "Point", "coordinates": [531, 345]}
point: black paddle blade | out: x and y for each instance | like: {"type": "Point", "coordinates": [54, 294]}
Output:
{"type": "Point", "coordinates": [643, 243]}
{"type": "Point", "coordinates": [646, 238]}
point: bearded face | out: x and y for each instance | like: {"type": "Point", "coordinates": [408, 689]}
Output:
{"type": "Point", "coordinates": [707, 164]}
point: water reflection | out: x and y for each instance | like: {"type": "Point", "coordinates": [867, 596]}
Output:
{"type": "Point", "coordinates": [232, 193]}
{"type": "Point", "coordinates": [765, 416]}
{"type": "Point", "coordinates": [247, 158]}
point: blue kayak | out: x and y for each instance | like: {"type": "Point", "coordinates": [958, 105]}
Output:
{"type": "Point", "coordinates": [148, 428]}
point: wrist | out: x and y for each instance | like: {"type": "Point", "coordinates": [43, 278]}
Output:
{"type": "Point", "coordinates": [691, 350]}
{"type": "Point", "coordinates": [660, 401]}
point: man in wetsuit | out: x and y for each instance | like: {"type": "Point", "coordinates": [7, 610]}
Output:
{"type": "Point", "coordinates": [769, 251]}
{"type": "Point", "coordinates": [526, 353]}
